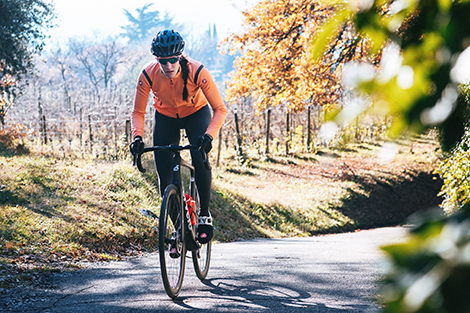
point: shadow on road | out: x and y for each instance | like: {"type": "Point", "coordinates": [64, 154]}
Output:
{"type": "Point", "coordinates": [142, 291]}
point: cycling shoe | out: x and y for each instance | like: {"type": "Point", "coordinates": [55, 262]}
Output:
{"type": "Point", "coordinates": [205, 230]}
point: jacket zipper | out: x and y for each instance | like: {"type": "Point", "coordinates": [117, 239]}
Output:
{"type": "Point", "coordinates": [173, 92]}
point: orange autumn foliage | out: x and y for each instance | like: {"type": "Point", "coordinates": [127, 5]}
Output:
{"type": "Point", "coordinates": [275, 66]}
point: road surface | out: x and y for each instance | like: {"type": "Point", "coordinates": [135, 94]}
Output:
{"type": "Point", "coordinates": [332, 273]}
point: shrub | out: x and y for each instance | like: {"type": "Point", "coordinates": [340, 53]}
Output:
{"type": "Point", "coordinates": [11, 140]}
{"type": "Point", "coordinates": [430, 271]}
{"type": "Point", "coordinates": [455, 171]}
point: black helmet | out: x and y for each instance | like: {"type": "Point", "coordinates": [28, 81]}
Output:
{"type": "Point", "coordinates": [167, 43]}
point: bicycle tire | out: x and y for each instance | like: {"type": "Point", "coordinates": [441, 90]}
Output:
{"type": "Point", "coordinates": [202, 259]}
{"type": "Point", "coordinates": [202, 256]}
{"type": "Point", "coordinates": [170, 236]}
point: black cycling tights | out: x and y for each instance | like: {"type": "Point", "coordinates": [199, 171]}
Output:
{"type": "Point", "coordinates": [166, 131]}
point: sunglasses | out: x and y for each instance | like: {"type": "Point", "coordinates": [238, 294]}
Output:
{"type": "Point", "coordinates": [171, 60]}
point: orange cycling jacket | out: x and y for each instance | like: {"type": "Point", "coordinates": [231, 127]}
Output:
{"type": "Point", "coordinates": [168, 96]}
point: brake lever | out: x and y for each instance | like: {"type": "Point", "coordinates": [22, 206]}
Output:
{"type": "Point", "coordinates": [138, 161]}
{"type": "Point", "coordinates": [205, 159]}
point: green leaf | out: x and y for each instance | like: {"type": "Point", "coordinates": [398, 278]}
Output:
{"type": "Point", "coordinates": [328, 32]}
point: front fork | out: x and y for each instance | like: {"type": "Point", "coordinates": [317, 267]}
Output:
{"type": "Point", "coordinates": [177, 181]}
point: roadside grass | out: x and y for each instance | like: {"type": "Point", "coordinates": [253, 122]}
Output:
{"type": "Point", "coordinates": [330, 191]}
{"type": "Point", "coordinates": [57, 213]}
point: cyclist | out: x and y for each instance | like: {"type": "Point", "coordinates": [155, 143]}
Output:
{"type": "Point", "coordinates": [182, 89]}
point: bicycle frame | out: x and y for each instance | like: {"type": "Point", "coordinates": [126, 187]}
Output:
{"type": "Point", "coordinates": [179, 162]}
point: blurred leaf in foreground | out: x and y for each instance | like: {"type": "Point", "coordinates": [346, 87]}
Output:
{"type": "Point", "coordinates": [420, 77]}
{"type": "Point", "coordinates": [421, 58]}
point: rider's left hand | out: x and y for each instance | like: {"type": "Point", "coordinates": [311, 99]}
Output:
{"type": "Point", "coordinates": [137, 146]}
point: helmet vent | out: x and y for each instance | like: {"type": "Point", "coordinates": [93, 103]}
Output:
{"type": "Point", "coordinates": [167, 43]}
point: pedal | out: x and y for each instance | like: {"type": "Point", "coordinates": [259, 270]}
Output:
{"type": "Point", "coordinates": [174, 253]}
{"type": "Point", "coordinates": [174, 248]}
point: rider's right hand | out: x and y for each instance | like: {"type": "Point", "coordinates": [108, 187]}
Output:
{"type": "Point", "coordinates": [137, 146]}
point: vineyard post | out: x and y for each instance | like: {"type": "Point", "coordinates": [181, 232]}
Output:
{"type": "Point", "coordinates": [357, 130]}
{"type": "Point", "coordinates": [69, 104]}
{"type": "Point", "coordinates": [73, 104]}
{"type": "Point", "coordinates": [2, 116]}
{"type": "Point", "coordinates": [308, 128]}
{"type": "Point", "coordinates": [81, 128]}
{"type": "Point", "coordinates": [128, 132]}
{"type": "Point", "coordinates": [91, 134]}
{"type": "Point", "coordinates": [315, 125]}
{"type": "Point", "coordinates": [61, 130]}
{"type": "Point", "coordinates": [40, 115]}
{"type": "Point", "coordinates": [44, 129]}
{"type": "Point", "coordinates": [287, 133]}
{"type": "Point", "coordinates": [40, 104]}
{"type": "Point", "coordinates": [268, 125]}
{"type": "Point", "coordinates": [115, 130]}
{"type": "Point", "coordinates": [219, 146]}
{"type": "Point", "coordinates": [318, 126]}
{"type": "Point", "coordinates": [239, 138]}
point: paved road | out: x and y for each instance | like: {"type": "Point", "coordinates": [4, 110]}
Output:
{"type": "Point", "coordinates": [334, 273]}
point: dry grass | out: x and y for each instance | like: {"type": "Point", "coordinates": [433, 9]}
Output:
{"type": "Point", "coordinates": [57, 213]}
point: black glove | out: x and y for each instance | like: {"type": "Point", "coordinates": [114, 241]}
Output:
{"type": "Point", "coordinates": [137, 146]}
{"type": "Point", "coordinates": [205, 143]}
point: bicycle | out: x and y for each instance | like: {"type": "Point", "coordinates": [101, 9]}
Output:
{"type": "Point", "coordinates": [177, 231]}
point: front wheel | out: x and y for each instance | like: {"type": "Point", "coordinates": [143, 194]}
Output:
{"type": "Point", "coordinates": [172, 248]}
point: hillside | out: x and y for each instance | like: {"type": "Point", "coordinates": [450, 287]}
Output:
{"type": "Point", "coordinates": [58, 213]}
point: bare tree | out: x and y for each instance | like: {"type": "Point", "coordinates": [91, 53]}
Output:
{"type": "Point", "coordinates": [108, 57]}
{"type": "Point", "coordinates": [98, 61]}
{"type": "Point", "coordinates": [64, 63]}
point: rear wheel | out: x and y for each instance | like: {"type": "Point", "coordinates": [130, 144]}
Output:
{"type": "Point", "coordinates": [202, 259]}
{"type": "Point", "coordinates": [202, 256]}
{"type": "Point", "coordinates": [172, 248]}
